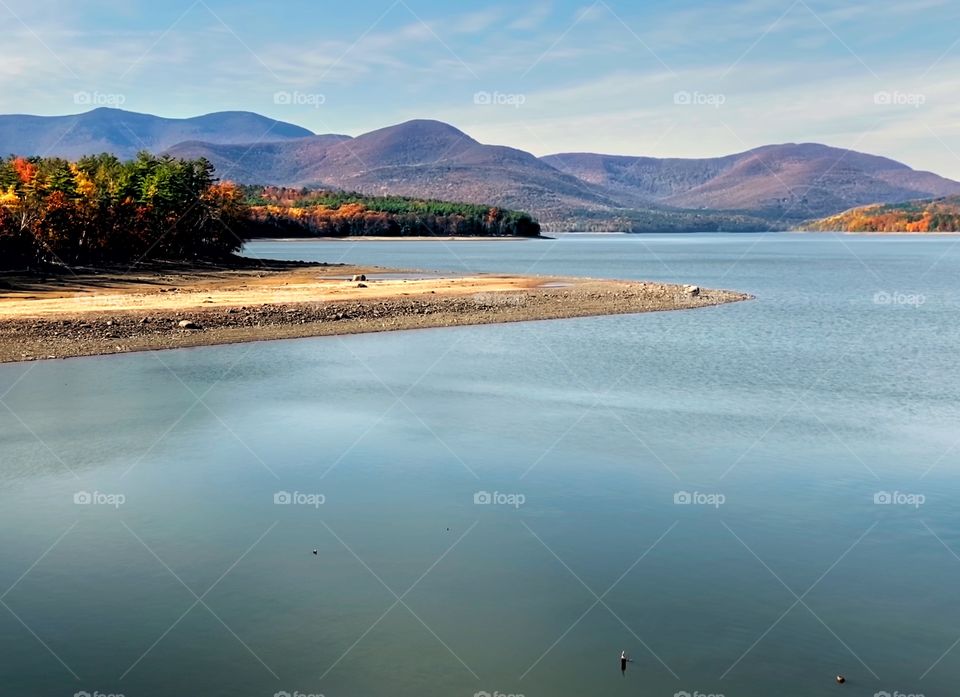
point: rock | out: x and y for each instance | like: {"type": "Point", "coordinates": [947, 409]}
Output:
{"type": "Point", "coordinates": [361, 285]}
{"type": "Point", "coordinates": [692, 290]}
{"type": "Point", "coordinates": [187, 324]}
{"type": "Point", "coordinates": [359, 277]}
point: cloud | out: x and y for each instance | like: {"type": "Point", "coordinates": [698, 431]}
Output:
{"type": "Point", "coordinates": [475, 22]}
{"type": "Point", "coordinates": [534, 18]}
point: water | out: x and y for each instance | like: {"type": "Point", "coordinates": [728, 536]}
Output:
{"type": "Point", "coordinates": [838, 382]}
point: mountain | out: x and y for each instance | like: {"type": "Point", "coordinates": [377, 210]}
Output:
{"type": "Point", "coordinates": [418, 158]}
{"type": "Point", "coordinates": [790, 182]}
{"type": "Point", "coordinates": [929, 215]}
{"type": "Point", "coordinates": [774, 186]}
{"type": "Point", "coordinates": [274, 162]}
{"type": "Point", "coordinates": [124, 133]}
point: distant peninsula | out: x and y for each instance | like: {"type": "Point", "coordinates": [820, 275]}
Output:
{"type": "Point", "coordinates": [924, 216]}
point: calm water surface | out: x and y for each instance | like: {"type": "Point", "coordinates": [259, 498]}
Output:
{"type": "Point", "coordinates": [784, 419]}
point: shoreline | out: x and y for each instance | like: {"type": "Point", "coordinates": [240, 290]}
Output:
{"type": "Point", "coordinates": [415, 238]}
{"type": "Point", "coordinates": [105, 313]}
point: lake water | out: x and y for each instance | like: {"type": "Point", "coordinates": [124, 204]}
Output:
{"type": "Point", "coordinates": [783, 420]}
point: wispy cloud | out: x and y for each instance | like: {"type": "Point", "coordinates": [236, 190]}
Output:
{"type": "Point", "coordinates": [532, 18]}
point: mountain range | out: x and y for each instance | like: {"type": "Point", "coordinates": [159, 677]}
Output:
{"type": "Point", "coordinates": [125, 133]}
{"type": "Point", "coordinates": [767, 187]}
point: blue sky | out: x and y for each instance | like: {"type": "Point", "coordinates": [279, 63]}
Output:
{"type": "Point", "coordinates": [647, 78]}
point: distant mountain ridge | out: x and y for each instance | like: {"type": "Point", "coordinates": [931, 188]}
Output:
{"type": "Point", "coordinates": [124, 133]}
{"type": "Point", "coordinates": [767, 187]}
{"type": "Point", "coordinates": [793, 181]}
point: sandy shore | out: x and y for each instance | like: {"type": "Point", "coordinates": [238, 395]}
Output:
{"type": "Point", "coordinates": [162, 308]}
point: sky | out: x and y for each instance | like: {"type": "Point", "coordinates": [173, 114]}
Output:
{"type": "Point", "coordinates": [665, 78]}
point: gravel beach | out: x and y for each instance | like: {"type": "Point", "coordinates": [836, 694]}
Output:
{"type": "Point", "coordinates": [104, 313]}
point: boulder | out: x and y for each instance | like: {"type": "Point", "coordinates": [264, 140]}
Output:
{"type": "Point", "coordinates": [359, 277]}
{"type": "Point", "coordinates": [187, 324]}
{"type": "Point", "coordinates": [692, 290]}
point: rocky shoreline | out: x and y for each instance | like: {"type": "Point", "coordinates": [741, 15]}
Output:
{"type": "Point", "coordinates": [123, 331]}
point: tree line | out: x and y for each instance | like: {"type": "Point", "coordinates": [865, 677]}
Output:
{"type": "Point", "coordinates": [286, 212]}
{"type": "Point", "coordinates": [100, 211]}
{"type": "Point", "coordinates": [930, 215]}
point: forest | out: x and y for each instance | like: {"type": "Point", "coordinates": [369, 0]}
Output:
{"type": "Point", "coordinates": [284, 212]}
{"type": "Point", "coordinates": [930, 215]}
{"type": "Point", "coordinates": [100, 211]}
